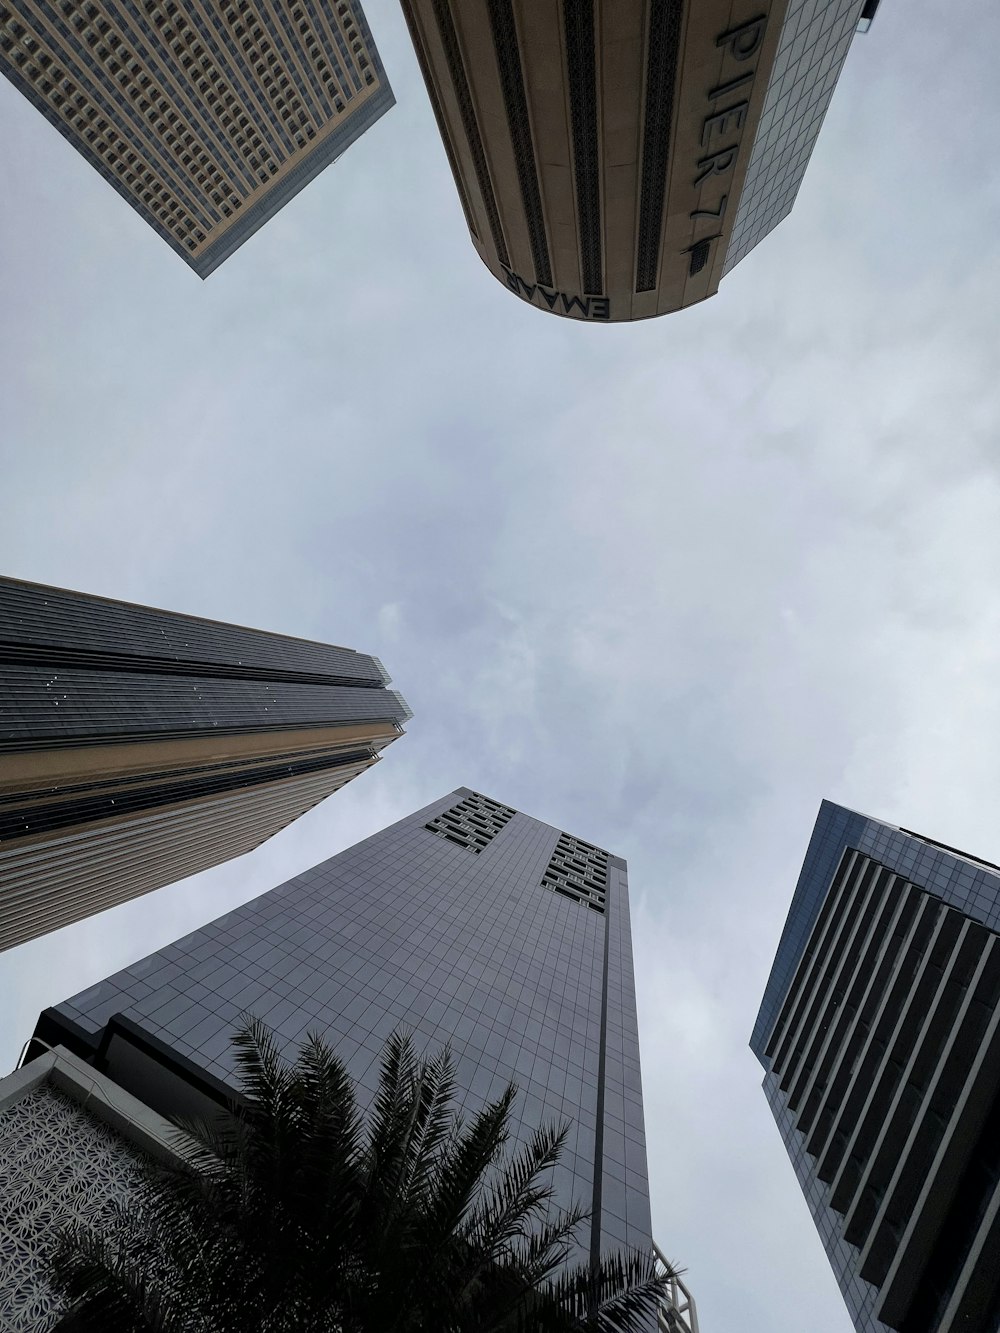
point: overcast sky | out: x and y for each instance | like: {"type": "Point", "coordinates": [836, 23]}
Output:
{"type": "Point", "coordinates": [664, 586]}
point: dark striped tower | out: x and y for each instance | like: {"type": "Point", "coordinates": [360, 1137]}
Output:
{"type": "Point", "coordinates": [139, 746]}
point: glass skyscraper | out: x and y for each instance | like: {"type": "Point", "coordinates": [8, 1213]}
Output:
{"type": "Point", "coordinates": [879, 1034]}
{"type": "Point", "coordinates": [139, 746]}
{"type": "Point", "coordinates": [465, 922]}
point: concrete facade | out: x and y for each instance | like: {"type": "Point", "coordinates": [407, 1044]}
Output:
{"type": "Point", "coordinates": [614, 158]}
{"type": "Point", "coordinates": [879, 1034]}
{"type": "Point", "coordinates": [139, 746]}
{"type": "Point", "coordinates": [206, 118]}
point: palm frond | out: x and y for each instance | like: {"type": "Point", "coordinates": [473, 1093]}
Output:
{"type": "Point", "coordinates": [541, 1254]}
{"type": "Point", "coordinates": [503, 1290]}
{"type": "Point", "coordinates": [395, 1076]}
{"type": "Point", "coordinates": [464, 1162]}
{"type": "Point", "coordinates": [263, 1075]}
{"type": "Point", "coordinates": [625, 1290]}
{"type": "Point", "coordinates": [110, 1286]}
{"type": "Point", "coordinates": [511, 1206]}
{"type": "Point", "coordinates": [331, 1147]}
{"type": "Point", "coordinates": [290, 1215]}
{"type": "Point", "coordinates": [423, 1095]}
{"type": "Point", "coordinates": [429, 1124]}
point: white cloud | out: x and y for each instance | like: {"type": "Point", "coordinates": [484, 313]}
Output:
{"type": "Point", "coordinates": [664, 586]}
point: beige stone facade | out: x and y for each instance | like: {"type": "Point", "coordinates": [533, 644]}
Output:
{"type": "Point", "coordinates": [600, 147]}
{"type": "Point", "coordinates": [207, 117]}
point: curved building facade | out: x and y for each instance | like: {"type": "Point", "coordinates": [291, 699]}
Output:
{"type": "Point", "coordinates": [616, 158]}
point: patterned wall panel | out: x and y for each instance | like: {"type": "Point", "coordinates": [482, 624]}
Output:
{"type": "Point", "coordinates": [473, 823]}
{"type": "Point", "coordinates": [58, 1164]}
{"type": "Point", "coordinates": [578, 871]}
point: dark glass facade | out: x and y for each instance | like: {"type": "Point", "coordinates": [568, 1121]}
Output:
{"type": "Point", "coordinates": [466, 922]}
{"type": "Point", "coordinates": [815, 38]}
{"type": "Point", "coordinates": [879, 1034]}
{"type": "Point", "coordinates": [138, 746]}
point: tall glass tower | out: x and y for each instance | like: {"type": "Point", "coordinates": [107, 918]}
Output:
{"type": "Point", "coordinates": [879, 1034]}
{"type": "Point", "coordinates": [139, 746]}
{"type": "Point", "coordinates": [465, 922]}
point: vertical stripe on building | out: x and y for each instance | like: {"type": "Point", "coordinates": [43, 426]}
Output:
{"type": "Point", "coordinates": [456, 68]}
{"type": "Point", "coordinates": [516, 105]}
{"type": "Point", "coordinates": [436, 107]}
{"type": "Point", "coordinates": [661, 76]}
{"type": "Point", "coordinates": [578, 26]}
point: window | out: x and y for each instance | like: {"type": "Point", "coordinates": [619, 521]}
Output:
{"type": "Point", "coordinates": [579, 871]}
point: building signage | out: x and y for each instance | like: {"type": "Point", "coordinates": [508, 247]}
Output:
{"type": "Point", "coordinates": [722, 129]}
{"type": "Point", "coordinates": [587, 307]}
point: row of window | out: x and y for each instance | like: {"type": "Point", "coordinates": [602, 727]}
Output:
{"type": "Point", "coordinates": [472, 823]}
{"type": "Point", "coordinates": [579, 871]}
{"type": "Point", "coordinates": [127, 71]}
{"type": "Point", "coordinates": [42, 71]}
{"type": "Point", "coordinates": [178, 34]}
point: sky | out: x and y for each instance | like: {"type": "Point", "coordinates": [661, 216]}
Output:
{"type": "Point", "coordinates": [664, 586]}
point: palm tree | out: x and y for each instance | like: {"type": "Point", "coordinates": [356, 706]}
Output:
{"type": "Point", "coordinates": [290, 1215]}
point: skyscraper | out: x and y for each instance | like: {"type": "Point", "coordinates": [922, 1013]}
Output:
{"type": "Point", "coordinates": [616, 158]}
{"type": "Point", "coordinates": [879, 1034]}
{"type": "Point", "coordinates": [466, 921]}
{"type": "Point", "coordinates": [139, 746]}
{"type": "Point", "coordinates": [206, 118]}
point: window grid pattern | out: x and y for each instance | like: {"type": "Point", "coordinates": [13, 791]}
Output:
{"type": "Point", "coordinates": [192, 118]}
{"type": "Point", "coordinates": [467, 111]}
{"type": "Point", "coordinates": [473, 823]}
{"type": "Point", "coordinates": [581, 73]}
{"type": "Point", "coordinates": [578, 871]}
{"type": "Point", "coordinates": [815, 39]}
{"type": "Point", "coordinates": [903, 1073]}
{"type": "Point", "coordinates": [407, 931]}
{"type": "Point", "coordinates": [22, 817]}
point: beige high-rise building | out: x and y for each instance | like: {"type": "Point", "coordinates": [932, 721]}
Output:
{"type": "Point", "coordinates": [616, 158]}
{"type": "Point", "coordinates": [206, 115]}
{"type": "Point", "coordinates": [139, 746]}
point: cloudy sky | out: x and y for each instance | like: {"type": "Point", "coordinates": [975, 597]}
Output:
{"type": "Point", "coordinates": [664, 586]}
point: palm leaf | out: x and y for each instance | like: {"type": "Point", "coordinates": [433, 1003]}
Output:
{"type": "Point", "coordinates": [289, 1215]}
